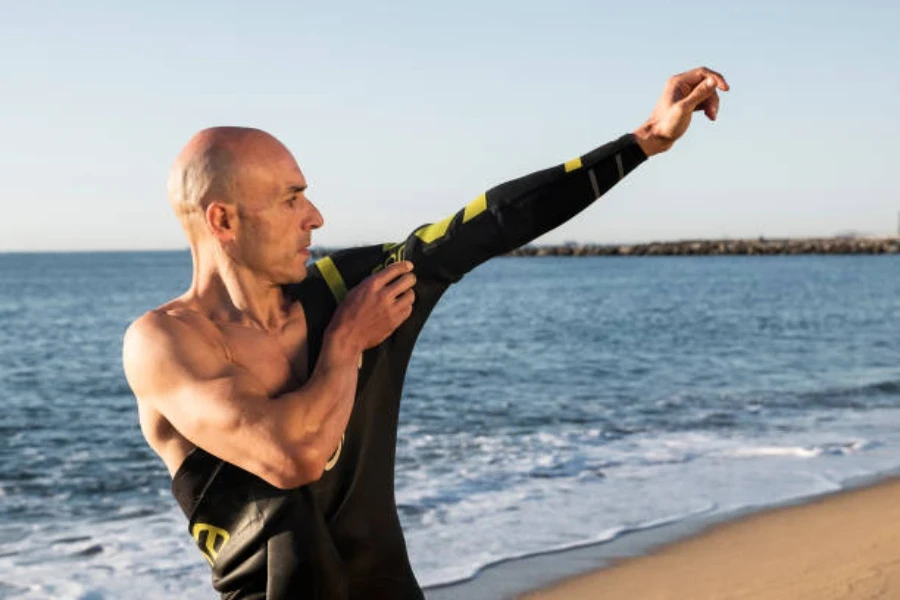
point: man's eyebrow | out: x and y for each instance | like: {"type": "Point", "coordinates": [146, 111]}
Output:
{"type": "Point", "coordinates": [296, 189]}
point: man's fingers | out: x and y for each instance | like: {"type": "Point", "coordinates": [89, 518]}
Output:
{"type": "Point", "coordinates": [710, 106]}
{"type": "Point", "coordinates": [401, 285]}
{"type": "Point", "coordinates": [701, 92]}
{"type": "Point", "coordinates": [403, 307]}
{"type": "Point", "coordinates": [720, 80]}
{"type": "Point", "coordinates": [390, 273]}
{"type": "Point", "coordinates": [405, 313]}
{"type": "Point", "coordinates": [406, 298]}
{"type": "Point", "coordinates": [703, 96]}
{"type": "Point", "coordinates": [695, 76]}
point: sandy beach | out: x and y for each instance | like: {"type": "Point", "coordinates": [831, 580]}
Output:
{"type": "Point", "coordinates": [844, 545]}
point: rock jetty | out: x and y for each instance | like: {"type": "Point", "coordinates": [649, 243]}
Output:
{"type": "Point", "coordinates": [760, 246]}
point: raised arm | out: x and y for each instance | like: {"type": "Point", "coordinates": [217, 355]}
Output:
{"type": "Point", "coordinates": [222, 408]}
{"type": "Point", "coordinates": [516, 212]}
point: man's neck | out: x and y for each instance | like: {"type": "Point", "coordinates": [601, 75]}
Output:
{"type": "Point", "coordinates": [227, 292]}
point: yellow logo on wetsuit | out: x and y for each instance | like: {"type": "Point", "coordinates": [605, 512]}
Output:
{"type": "Point", "coordinates": [393, 253]}
{"type": "Point", "coordinates": [213, 534]}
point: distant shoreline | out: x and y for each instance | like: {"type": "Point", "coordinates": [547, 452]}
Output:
{"type": "Point", "coordinates": [723, 247]}
{"type": "Point", "coordinates": [728, 247]}
{"type": "Point", "coordinates": [758, 246]}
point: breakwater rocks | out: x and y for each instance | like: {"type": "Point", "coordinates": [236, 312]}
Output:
{"type": "Point", "coordinates": [759, 246]}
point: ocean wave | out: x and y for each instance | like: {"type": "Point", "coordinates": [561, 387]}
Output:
{"type": "Point", "coordinates": [465, 572]}
{"type": "Point", "coordinates": [879, 394]}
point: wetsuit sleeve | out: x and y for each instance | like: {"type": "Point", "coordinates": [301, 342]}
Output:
{"type": "Point", "coordinates": [496, 222]}
{"type": "Point", "coordinates": [516, 212]}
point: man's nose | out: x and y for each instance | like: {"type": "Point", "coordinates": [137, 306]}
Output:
{"type": "Point", "coordinates": [315, 219]}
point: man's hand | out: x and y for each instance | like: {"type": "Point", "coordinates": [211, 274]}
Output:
{"type": "Point", "coordinates": [683, 94]}
{"type": "Point", "coordinates": [375, 308]}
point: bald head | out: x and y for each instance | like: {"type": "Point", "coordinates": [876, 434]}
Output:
{"type": "Point", "coordinates": [241, 198]}
{"type": "Point", "coordinates": [215, 164]}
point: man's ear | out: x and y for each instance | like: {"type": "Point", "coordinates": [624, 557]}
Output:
{"type": "Point", "coordinates": [222, 220]}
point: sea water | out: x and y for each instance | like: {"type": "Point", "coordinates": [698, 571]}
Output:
{"type": "Point", "coordinates": [550, 402]}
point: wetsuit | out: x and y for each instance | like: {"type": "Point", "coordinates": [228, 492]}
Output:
{"type": "Point", "coordinates": [340, 537]}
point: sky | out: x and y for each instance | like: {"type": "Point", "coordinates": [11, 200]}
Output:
{"type": "Point", "coordinates": [399, 113]}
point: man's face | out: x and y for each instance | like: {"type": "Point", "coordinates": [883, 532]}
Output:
{"type": "Point", "coordinates": [276, 219]}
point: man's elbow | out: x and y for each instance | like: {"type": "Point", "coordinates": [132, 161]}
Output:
{"type": "Point", "coordinates": [306, 467]}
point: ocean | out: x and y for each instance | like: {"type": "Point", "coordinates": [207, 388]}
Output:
{"type": "Point", "coordinates": [550, 403]}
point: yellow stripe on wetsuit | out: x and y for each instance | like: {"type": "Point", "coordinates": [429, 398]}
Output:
{"type": "Point", "coordinates": [475, 208]}
{"type": "Point", "coordinates": [432, 232]}
{"type": "Point", "coordinates": [332, 277]}
{"type": "Point", "coordinates": [573, 165]}
{"type": "Point", "coordinates": [435, 231]}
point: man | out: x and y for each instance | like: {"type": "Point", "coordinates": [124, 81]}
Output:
{"type": "Point", "coordinates": [272, 393]}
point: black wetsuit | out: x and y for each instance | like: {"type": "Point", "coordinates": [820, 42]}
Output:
{"type": "Point", "coordinates": [340, 537]}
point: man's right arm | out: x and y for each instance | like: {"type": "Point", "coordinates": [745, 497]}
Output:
{"type": "Point", "coordinates": [224, 409]}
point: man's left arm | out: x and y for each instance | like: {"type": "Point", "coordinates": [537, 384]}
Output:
{"type": "Point", "coordinates": [518, 211]}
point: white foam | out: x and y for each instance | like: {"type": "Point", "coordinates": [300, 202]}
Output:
{"type": "Point", "coordinates": [843, 448]}
{"type": "Point", "coordinates": [773, 451]}
{"type": "Point", "coordinates": [108, 560]}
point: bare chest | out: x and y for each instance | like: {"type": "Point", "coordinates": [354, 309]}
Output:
{"type": "Point", "coordinates": [277, 359]}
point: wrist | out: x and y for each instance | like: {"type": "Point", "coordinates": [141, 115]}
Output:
{"type": "Point", "coordinates": [340, 349]}
{"type": "Point", "coordinates": [649, 141]}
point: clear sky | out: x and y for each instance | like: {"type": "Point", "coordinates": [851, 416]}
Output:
{"type": "Point", "coordinates": [401, 112]}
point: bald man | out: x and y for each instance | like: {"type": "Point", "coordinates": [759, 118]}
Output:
{"type": "Point", "coordinates": [271, 389]}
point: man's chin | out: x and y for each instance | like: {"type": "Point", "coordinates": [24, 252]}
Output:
{"type": "Point", "coordinates": [300, 274]}
{"type": "Point", "coordinates": [292, 276]}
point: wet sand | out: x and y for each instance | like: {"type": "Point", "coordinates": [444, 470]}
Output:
{"type": "Point", "coordinates": [844, 545]}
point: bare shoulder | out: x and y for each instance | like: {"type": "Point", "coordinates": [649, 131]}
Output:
{"type": "Point", "coordinates": [157, 355]}
{"type": "Point", "coordinates": [163, 343]}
